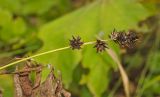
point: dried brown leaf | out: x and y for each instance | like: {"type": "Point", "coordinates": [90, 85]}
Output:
{"type": "Point", "coordinates": [25, 83]}
{"type": "Point", "coordinates": [36, 87]}
{"type": "Point", "coordinates": [47, 89]}
{"type": "Point", "coordinates": [53, 87]}
{"type": "Point", "coordinates": [66, 93]}
{"type": "Point", "coordinates": [18, 89]}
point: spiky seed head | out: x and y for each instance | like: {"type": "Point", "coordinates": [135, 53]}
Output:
{"type": "Point", "coordinates": [76, 42]}
{"type": "Point", "coordinates": [100, 45]}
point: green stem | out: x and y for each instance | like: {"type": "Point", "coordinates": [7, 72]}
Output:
{"type": "Point", "coordinates": [40, 54]}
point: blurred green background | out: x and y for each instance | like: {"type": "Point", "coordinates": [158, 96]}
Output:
{"type": "Point", "coordinates": [28, 27]}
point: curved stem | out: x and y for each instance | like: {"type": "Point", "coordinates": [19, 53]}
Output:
{"type": "Point", "coordinates": [40, 54]}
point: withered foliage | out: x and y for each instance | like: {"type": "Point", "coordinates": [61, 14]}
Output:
{"type": "Point", "coordinates": [24, 87]}
{"type": "Point", "coordinates": [53, 87]}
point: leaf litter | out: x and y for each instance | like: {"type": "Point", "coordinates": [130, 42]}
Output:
{"type": "Point", "coordinates": [25, 87]}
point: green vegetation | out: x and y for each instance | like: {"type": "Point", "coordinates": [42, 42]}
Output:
{"type": "Point", "coordinates": [31, 27]}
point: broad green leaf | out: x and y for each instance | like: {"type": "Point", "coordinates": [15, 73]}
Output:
{"type": "Point", "coordinates": [85, 92]}
{"type": "Point", "coordinates": [89, 22]}
{"type": "Point", "coordinates": [96, 80]}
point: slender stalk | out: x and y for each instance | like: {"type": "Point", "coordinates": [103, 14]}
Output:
{"type": "Point", "coordinates": [123, 73]}
{"type": "Point", "coordinates": [43, 53]}
{"type": "Point", "coordinates": [40, 54]}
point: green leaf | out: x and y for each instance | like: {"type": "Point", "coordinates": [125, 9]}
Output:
{"type": "Point", "coordinates": [153, 61]}
{"type": "Point", "coordinates": [11, 29]}
{"type": "Point", "coordinates": [19, 27]}
{"type": "Point", "coordinates": [11, 5]}
{"type": "Point", "coordinates": [89, 22]}
{"type": "Point", "coordinates": [134, 60]}
{"type": "Point", "coordinates": [5, 24]}
{"type": "Point", "coordinates": [5, 17]}
{"type": "Point", "coordinates": [96, 80]}
{"type": "Point", "coordinates": [37, 6]}
{"type": "Point", "coordinates": [7, 85]}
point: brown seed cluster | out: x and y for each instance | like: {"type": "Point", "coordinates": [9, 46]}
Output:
{"type": "Point", "coordinates": [100, 45]}
{"type": "Point", "coordinates": [125, 40]}
{"type": "Point", "coordinates": [76, 42]}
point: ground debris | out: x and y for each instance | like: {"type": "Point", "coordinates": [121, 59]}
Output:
{"type": "Point", "coordinates": [25, 87]}
{"type": "Point", "coordinates": [52, 87]}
